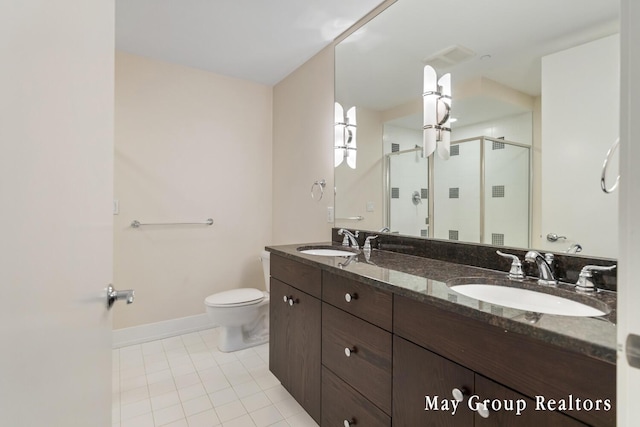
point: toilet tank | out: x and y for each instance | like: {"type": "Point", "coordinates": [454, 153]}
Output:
{"type": "Point", "coordinates": [265, 257]}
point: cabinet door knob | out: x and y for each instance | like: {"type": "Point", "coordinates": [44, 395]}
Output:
{"type": "Point", "coordinates": [291, 302]}
{"type": "Point", "coordinates": [459, 393]}
{"type": "Point", "coordinates": [348, 351]}
{"type": "Point", "coordinates": [350, 297]}
{"type": "Point", "coordinates": [347, 423]}
{"type": "Point", "coordinates": [482, 410]}
{"type": "Point", "coordinates": [285, 299]}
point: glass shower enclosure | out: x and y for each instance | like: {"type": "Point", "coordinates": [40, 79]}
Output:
{"type": "Point", "coordinates": [482, 194]}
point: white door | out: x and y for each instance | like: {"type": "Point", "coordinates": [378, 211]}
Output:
{"type": "Point", "coordinates": [56, 149]}
{"type": "Point", "coordinates": [629, 279]}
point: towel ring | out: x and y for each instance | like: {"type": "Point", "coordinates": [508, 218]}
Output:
{"type": "Point", "coordinates": [321, 184]}
{"type": "Point", "coordinates": [603, 183]}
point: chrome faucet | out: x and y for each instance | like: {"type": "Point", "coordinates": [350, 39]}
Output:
{"type": "Point", "coordinates": [349, 237]}
{"type": "Point", "coordinates": [545, 267]}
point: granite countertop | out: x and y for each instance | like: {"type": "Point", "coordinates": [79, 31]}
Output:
{"type": "Point", "coordinates": [424, 279]}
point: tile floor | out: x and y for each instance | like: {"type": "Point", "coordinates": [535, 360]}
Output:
{"type": "Point", "coordinates": [185, 381]}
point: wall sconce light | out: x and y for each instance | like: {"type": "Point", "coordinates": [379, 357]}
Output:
{"type": "Point", "coordinates": [345, 136]}
{"type": "Point", "coordinates": [437, 109]}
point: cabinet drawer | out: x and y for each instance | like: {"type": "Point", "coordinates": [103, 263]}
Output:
{"type": "Point", "coordinates": [304, 277]}
{"type": "Point", "coordinates": [371, 304]}
{"type": "Point", "coordinates": [368, 367]}
{"type": "Point", "coordinates": [341, 403]}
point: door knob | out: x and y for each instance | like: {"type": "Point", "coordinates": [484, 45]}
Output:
{"type": "Point", "coordinates": [113, 295]}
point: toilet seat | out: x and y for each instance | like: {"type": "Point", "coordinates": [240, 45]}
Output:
{"type": "Point", "coordinates": [235, 298]}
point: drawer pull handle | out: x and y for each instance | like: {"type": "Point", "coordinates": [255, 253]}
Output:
{"type": "Point", "coordinates": [350, 297]}
{"type": "Point", "coordinates": [459, 393]}
{"type": "Point", "coordinates": [482, 410]}
{"type": "Point", "coordinates": [347, 423]}
{"type": "Point", "coordinates": [349, 351]}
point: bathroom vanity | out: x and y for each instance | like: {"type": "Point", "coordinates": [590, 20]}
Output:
{"type": "Point", "coordinates": [382, 340]}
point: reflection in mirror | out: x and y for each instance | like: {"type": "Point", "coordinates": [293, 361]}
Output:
{"type": "Point", "coordinates": [531, 133]}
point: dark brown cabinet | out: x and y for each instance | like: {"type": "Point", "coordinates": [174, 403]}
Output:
{"type": "Point", "coordinates": [425, 387]}
{"type": "Point", "coordinates": [518, 362]}
{"type": "Point", "coordinates": [295, 339]}
{"type": "Point", "coordinates": [352, 353]}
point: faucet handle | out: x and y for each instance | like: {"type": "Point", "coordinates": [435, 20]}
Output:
{"type": "Point", "coordinates": [584, 283]}
{"type": "Point", "coordinates": [588, 269]}
{"type": "Point", "coordinates": [515, 273]}
{"type": "Point", "coordinates": [367, 242]}
{"type": "Point", "coordinates": [345, 239]}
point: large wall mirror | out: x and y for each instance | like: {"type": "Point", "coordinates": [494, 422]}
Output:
{"type": "Point", "coordinates": [535, 94]}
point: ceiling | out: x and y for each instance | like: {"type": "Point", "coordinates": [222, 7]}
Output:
{"type": "Point", "coordinates": [381, 65]}
{"type": "Point", "coordinates": [256, 40]}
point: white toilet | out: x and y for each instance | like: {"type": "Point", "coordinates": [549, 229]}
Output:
{"type": "Point", "coordinates": [242, 314]}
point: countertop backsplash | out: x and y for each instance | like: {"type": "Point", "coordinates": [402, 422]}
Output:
{"type": "Point", "coordinates": [566, 267]}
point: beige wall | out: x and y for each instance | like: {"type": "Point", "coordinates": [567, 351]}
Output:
{"type": "Point", "coordinates": [189, 145]}
{"type": "Point", "coordinates": [302, 151]}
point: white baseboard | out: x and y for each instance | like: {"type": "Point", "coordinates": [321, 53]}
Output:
{"type": "Point", "coordinates": [165, 329]}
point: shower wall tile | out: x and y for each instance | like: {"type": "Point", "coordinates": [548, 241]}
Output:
{"type": "Point", "coordinates": [497, 191]}
{"type": "Point", "coordinates": [497, 239]}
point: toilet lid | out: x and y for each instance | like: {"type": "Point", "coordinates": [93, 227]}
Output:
{"type": "Point", "coordinates": [235, 297]}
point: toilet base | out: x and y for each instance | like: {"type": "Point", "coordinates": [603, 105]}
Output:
{"type": "Point", "coordinates": [234, 338]}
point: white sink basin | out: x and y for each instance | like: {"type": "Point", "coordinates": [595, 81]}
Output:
{"type": "Point", "coordinates": [327, 251]}
{"type": "Point", "coordinates": [524, 299]}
